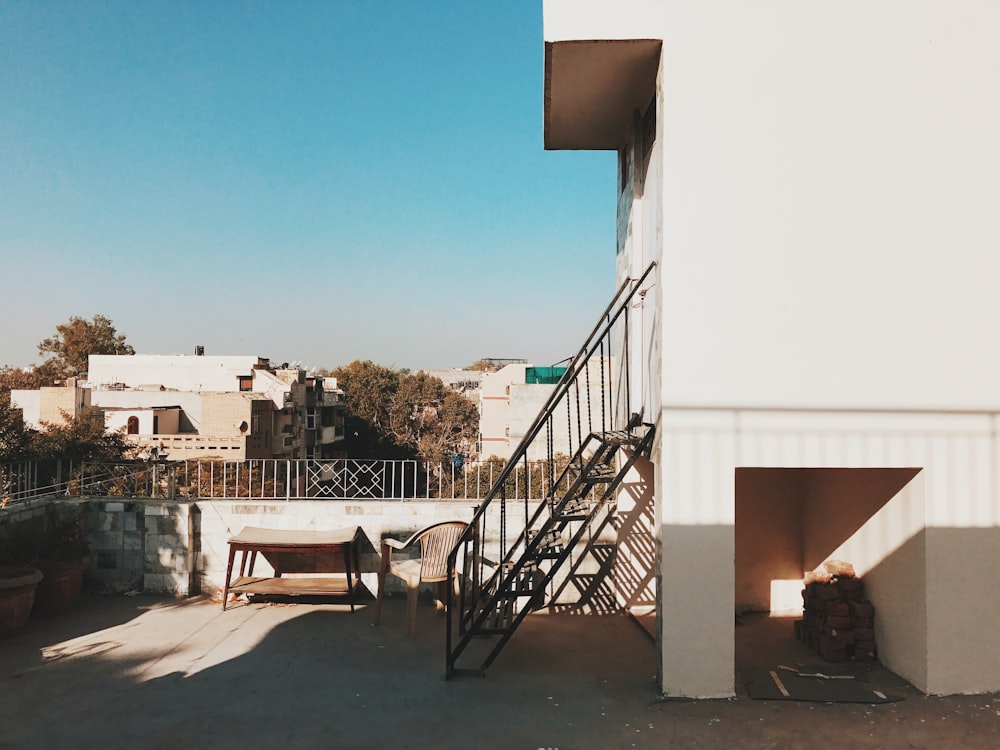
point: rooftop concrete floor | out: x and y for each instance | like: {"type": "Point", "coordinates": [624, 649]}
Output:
{"type": "Point", "coordinates": [158, 673]}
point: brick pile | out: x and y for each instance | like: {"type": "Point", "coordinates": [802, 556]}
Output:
{"type": "Point", "coordinates": [838, 622]}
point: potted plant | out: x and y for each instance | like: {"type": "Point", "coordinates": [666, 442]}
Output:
{"type": "Point", "coordinates": [17, 595]}
{"type": "Point", "coordinates": [63, 555]}
{"type": "Point", "coordinates": [18, 583]}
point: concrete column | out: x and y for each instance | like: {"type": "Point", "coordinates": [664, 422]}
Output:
{"type": "Point", "coordinates": [696, 485]}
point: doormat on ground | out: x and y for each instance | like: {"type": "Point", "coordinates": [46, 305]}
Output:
{"type": "Point", "coordinates": [822, 684]}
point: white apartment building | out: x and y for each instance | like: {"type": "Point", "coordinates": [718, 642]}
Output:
{"type": "Point", "coordinates": [494, 409]}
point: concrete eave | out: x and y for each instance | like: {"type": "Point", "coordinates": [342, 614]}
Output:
{"type": "Point", "coordinates": [592, 87]}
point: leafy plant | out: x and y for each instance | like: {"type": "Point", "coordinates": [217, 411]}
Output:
{"type": "Point", "coordinates": [18, 548]}
{"type": "Point", "coordinates": [398, 414]}
{"type": "Point", "coordinates": [59, 539]}
{"type": "Point", "coordinates": [64, 539]}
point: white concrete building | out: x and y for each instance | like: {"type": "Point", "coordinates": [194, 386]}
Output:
{"type": "Point", "coordinates": [818, 185]}
{"type": "Point", "coordinates": [234, 407]}
{"type": "Point", "coordinates": [510, 400]}
{"type": "Point", "coordinates": [51, 404]}
{"type": "Point", "coordinates": [525, 399]}
{"type": "Point", "coordinates": [466, 382]}
{"type": "Point", "coordinates": [494, 409]}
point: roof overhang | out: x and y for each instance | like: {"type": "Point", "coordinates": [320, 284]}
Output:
{"type": "Point", "coordinates": [592, 87]}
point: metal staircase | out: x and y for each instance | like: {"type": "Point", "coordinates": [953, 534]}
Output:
{"type": "Point", "coordinates": [497, 594]}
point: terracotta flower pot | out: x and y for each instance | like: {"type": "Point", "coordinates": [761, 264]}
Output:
{"type": "Point", "coordinates": [17, 595]}
{"type": "Point", "coordinates": [60, 588]}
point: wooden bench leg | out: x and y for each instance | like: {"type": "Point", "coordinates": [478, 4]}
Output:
{"type": "Point", "coordinates": [229, 575]}
{"type": "Point", "coordinates": [383, 570]}
{"type": "Point", "coordinates": [350, 574]}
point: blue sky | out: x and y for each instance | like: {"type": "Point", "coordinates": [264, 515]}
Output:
{"type": "Point", "coordinates": [312, 181]}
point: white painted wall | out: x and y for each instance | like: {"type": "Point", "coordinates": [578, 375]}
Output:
{"type": "Point", "coordinates": [925, 554]}
{"type": "Point", "coordinates": [526, 402]}
{"type": "Point", "coordinates": [188, 401]}
{"type": "Point", "coordinates": [599, 19]}
{"type": "Point", "coordinates": [117, 420]}
{"type": "Point", "coordinates": [30, 404]}
{"type": "Point", "coordinates": [177, 371]}
{"type": "Point", "coordinates": [889, 552]}
{"type": "Point", "coordinates": [50, 404]}
{"type": "Point", "coordinates": [829, 184]}
{"type": "Point", "coordinates": [494, 409]}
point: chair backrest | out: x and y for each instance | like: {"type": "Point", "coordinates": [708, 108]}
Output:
{"type": "Point", "coordinates": [436, 543]}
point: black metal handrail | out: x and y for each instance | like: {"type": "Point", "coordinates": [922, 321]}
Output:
{"type": "Point", "coordinates": [599, 341]}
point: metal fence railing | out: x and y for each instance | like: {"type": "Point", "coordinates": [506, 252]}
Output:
{"type": "Point", "coordinates": [273, 479]}
{"type": "Point", "coordinates": [23, 481]}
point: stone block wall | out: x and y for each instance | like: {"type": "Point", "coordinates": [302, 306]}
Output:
{"type": "Point", "coordinates": [172, 543]}
{"type": "Point", "coordinates": [117, 531]}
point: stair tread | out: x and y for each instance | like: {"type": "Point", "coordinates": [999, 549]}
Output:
{"type": "Point", "coordinates": [547, 555]}
{"type": "Point", "coordinates": [546, 536]}
{"type": "Point", "coordinates": [525, 566]}
{"type": "Point", "coordinates": [617, 437]}
{"type": "Point", "coordinates": [599, 473]}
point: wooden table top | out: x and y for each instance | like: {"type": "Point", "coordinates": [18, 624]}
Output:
{"type": "Point", "coordinates": [252, 535]}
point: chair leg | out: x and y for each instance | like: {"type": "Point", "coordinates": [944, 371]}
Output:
{"type": "Point", "coordinates": [412, 587]}
{"type": "Point", "coordinates": [440, 593]}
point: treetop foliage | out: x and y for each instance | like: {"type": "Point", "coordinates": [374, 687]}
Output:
{"type": "Point", "coordinates": [82, 436]}
{"type": "Point", "coordinates": [370, 390]}
{"type": "Point", "coordinates": [78, 338]}
{"type": "Point", "coordinates": [14, 378]}
{"type": "Point", "coordinates": [14, 436]}
{"type": "Point", "coordinates": [394, 412]}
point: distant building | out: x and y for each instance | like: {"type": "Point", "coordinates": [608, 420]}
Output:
{"type": "Point", "coordinates": [192, 406]}
{"type": "Point", "coordinates": [466, 382]}
{"type": "Point", "coordinates": [51, 404]}
{"type": "Point", "coordinates": [510, 400]}
{"type": "Point", "coordinates": [494, 410]}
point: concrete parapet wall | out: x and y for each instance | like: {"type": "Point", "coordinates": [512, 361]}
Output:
{"type": "Point", "coordinates": [118, 543]}
{"type": "Point", "coordinates": [221, 519]}
{"type": "Point", "coordinates": [181, 548]}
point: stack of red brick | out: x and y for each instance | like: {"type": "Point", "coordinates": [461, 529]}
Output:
{"type": "Point", "coordinates": [837, 620]}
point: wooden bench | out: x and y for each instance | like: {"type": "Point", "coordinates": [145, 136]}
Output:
{"type": "Point", "coordinates": [296, 552]}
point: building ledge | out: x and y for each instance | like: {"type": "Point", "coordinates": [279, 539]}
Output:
{"type": "Point", "coordinates": [592, 87]}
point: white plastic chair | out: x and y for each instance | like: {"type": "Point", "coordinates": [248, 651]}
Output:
{"type": "Point", "coordinates": [436, 543]}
